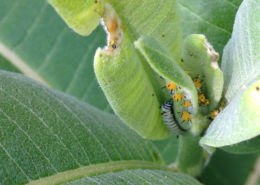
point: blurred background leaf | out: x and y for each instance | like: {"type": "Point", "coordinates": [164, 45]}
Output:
{"type": "Point", "coordinates": [212, 18]}
{"type": "Point", "coordinates": [34, 32]}
{"type": "Point", "coordinates": [228, 169]}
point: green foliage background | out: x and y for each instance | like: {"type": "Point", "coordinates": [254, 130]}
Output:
{"type": "Point", "coordinates": [34, 32]}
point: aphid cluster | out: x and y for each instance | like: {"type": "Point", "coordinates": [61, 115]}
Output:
{"type": "Point", "coordinates": [215, 112]}
{"type": "Point", "coordinates": [172, 117]}
{"type": "Point", "coordinates": [203, 101]}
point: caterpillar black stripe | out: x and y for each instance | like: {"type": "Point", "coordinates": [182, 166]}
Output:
{"type": "Point", "coordinates": [170, 119]}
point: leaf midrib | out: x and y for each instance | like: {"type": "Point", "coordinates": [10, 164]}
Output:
{"type": "Point", "coordinates": [20, 64]}
{"type": "Point", "coordinates": [96, 169]}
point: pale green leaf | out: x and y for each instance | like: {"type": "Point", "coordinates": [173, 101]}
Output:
{"type": "Point", "coordinates": [45, 133]}
{"type": "Point", "coordinates": [130, 91]}
{"type": "Point", "coordinates": [82, 16]}
{"type": "Point", "coordinates": [130, 85]}
{"type": "Point", "coordinates": [241, 59]}
{"type": "Point", "coordinates": [239, 121]}
{"type": "Point", "coordinates": [32, 35]}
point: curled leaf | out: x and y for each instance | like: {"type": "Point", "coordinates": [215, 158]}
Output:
{"type": "Point", "coordinates": [201, 61]}
{"type": "Point", "coordinates": [129, 90]}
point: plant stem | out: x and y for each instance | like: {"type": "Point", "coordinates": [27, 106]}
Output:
{"type": "Point", "coordinates": [191, 157]}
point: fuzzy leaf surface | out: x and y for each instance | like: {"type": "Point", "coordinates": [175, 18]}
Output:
{"type": "Point", "coordinates": [45, 133]}
{"type": "Point", "coordinates": [241, 58]}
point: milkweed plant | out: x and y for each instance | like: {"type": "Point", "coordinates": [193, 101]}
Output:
{"type": "Point", "coordinates": [179, 69]}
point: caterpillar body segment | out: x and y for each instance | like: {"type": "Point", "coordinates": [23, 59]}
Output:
{"type": "Point", "coordinates": [170, 120]}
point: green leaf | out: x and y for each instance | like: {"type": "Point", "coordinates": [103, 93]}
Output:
{"type": "Point", "coordinates": [128, 82]}
{"type": "Point", "coordinates": [62, 140]}
{"type": "Point", "coordinates": [244, 147]}
{"type": "Point", "coordinates": [151, 177]}
{"type": "Point", "coordinates": [241, 59]}
{"type": "Point", "coordinates": [228, 169]}
{"type": "Point", "coordinates": [44, 48]}
{"type": "Point", "coordinates": [200, 59]}
{"type": "Point", "coordinates": [81, 15]}
{"type": "Point", "coordinates": [212, 18]}
{"type": "Point", "coordinates": [160, 59]}
{"type": "Point", "coordinates": [239, 121]}
{"type": "Point", "coordinates": [44, 133]}
{"type": "Point", "coordinates": [6, 65]}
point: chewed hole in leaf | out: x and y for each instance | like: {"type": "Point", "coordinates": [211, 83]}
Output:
{"type": "Point", "coordinates": [114, 29]}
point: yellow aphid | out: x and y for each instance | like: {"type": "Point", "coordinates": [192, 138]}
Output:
{"type": "Point", "coordinates": [171, 86]}
{"type": "Point", "coordinates": [206, 101]}
{"type": "Point", "coordinates": [202, 98]}
{"type": "Point", "coordinates": [220, 108]}
{"type": "Point", "coordinates": [187, 72]}
{"type": "Point", "coordinates": [214, 114]}
{"type": "Point", "coordinates": [186, 116]}
{"type": "Point", "coordinates": [187, 104]}
{"type": "Point", "coordinates": [177, 97]}
{"type": "Point", "coordinates": [223, 103]}
{"type": "Point", "coordinates": [197, 83]}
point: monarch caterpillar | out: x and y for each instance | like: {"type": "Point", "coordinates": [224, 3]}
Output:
{"type": "Point", "coordinates": [170, 119]}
